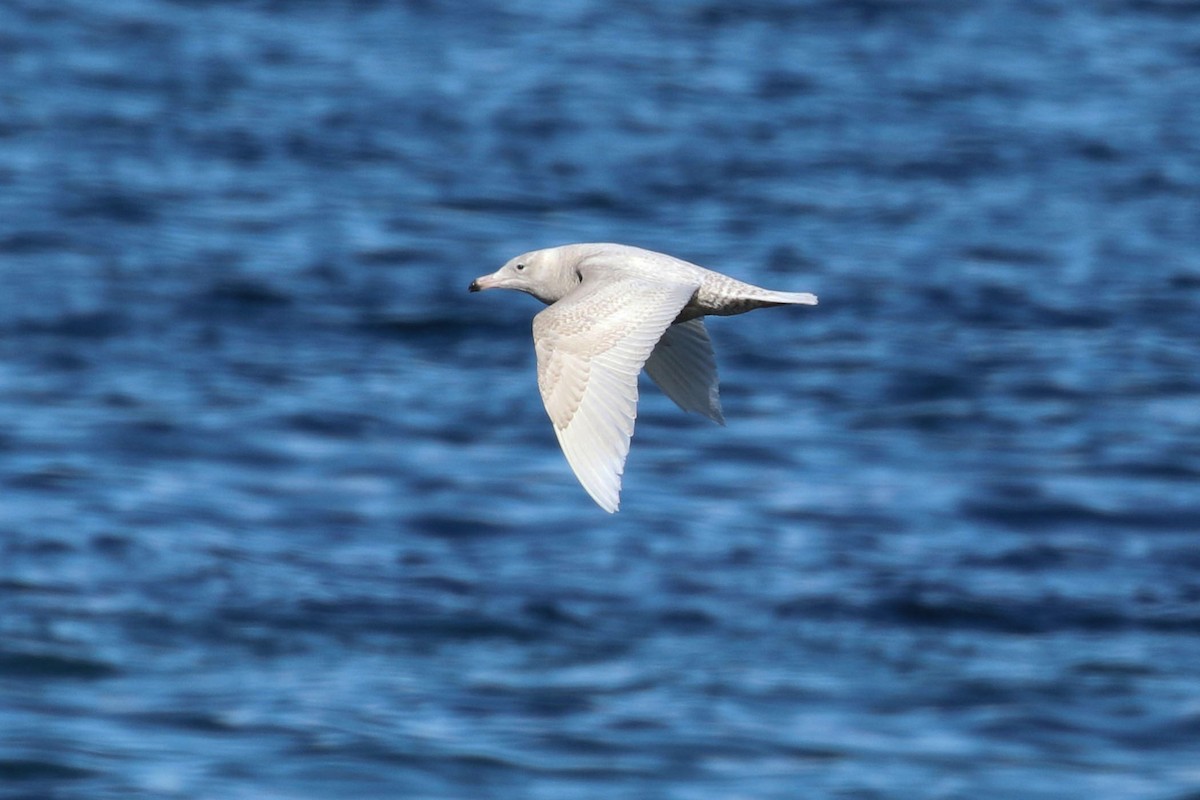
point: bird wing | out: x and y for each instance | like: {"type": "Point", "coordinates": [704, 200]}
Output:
{"type": "Point", "coordinates": [685, 368]}
{"type": "Point", "coordinates": [590, 346]}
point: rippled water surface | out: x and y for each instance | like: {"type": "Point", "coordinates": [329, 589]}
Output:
{"type": "Point", "coordinates": [281, 514]}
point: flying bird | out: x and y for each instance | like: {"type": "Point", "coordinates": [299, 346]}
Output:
{"type": "Point", "coordinates": [614, 309]}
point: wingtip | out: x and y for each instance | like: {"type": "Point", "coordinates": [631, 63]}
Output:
{"type": "Point", "coordinates": [714, 406]}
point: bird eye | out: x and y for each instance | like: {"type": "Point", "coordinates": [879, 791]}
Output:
{"type": "Point", "coordinates": [520, 267]}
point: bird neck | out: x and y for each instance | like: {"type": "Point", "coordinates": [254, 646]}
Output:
{"type": "Point", "coordinates": [556, 288]}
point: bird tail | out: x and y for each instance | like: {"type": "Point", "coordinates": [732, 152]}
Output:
{"type": "Point", "coordinates": [790, 298]}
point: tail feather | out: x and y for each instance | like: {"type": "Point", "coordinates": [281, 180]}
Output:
{"type": "Point", "coordinates": [793, 298]}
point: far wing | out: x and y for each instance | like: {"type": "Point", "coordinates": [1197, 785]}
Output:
{"type": "Point", "coordinates": [685, 368]}
{"type": "Point", "coordinates": [591, 345]}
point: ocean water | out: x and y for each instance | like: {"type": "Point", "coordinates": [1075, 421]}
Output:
{"type": "Point", "coordinates": [281, 514]}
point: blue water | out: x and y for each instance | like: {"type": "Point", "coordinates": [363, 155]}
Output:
{"type": "Point", "coordinates": [281, 515]}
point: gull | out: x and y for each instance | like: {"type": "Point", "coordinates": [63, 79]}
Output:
{"type": "Point", "coordinates": [613, 310]}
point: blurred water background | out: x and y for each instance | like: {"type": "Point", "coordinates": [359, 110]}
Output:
{"type": "Point", "coordinates": [281, 515]}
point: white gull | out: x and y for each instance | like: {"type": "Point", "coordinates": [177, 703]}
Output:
{"type": "Point", "coordinates": [614, 309]}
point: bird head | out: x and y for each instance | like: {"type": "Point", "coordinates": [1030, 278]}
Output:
{"type": "Point", "coordinates": [545, 274]}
